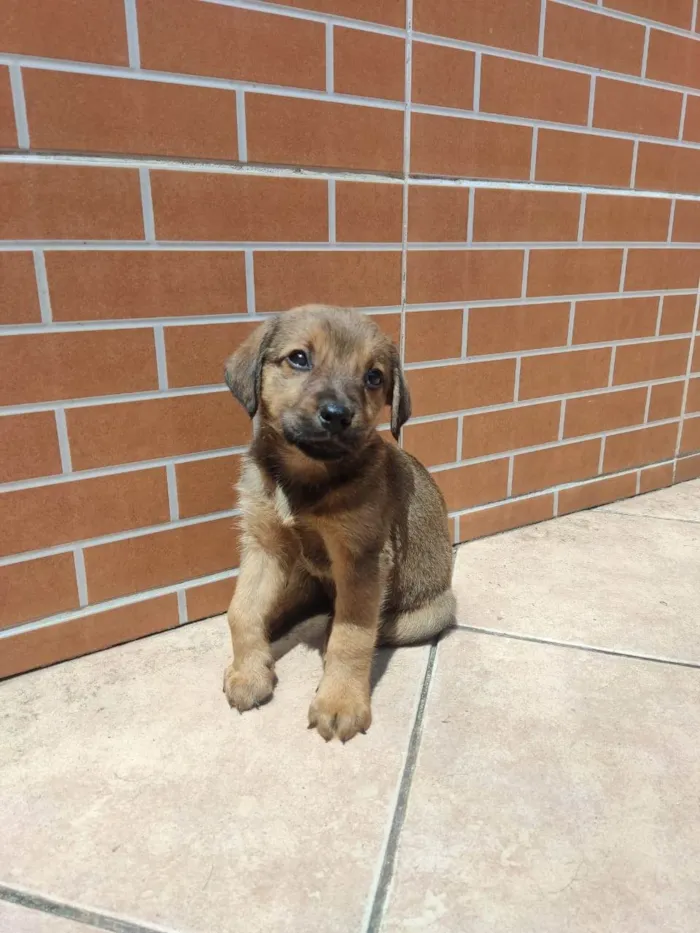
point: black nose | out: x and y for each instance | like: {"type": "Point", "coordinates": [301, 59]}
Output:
{"type": "Point", "coordinates": [334, 416]}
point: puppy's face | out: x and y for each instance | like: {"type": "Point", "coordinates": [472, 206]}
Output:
{"type": "Point", "coordinates": [320, 378]}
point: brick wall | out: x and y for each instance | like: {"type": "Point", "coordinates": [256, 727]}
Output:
{"type": "Point", "coordinates": [512, 187]}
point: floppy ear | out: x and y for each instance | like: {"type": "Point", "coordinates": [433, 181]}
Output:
{"type": "Point", "coordinates": [243, 372]}
{"type": "Point", "coordinates": [400, 397]}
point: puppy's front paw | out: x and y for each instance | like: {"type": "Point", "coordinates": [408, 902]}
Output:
{"type": "Point", "coordinates": [341, 708]}
{"type": "Point", "coordinates": [249, 685]}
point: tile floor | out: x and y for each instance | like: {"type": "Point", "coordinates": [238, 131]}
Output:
{"type": "Point", "coordinates": [538, 770]}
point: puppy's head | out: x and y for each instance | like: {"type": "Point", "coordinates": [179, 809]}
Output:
{"type": "Point", "coordinates": [320, 377]}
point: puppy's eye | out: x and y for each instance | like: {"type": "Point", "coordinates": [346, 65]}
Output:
{"type": "Point", "coordinates": [374, 378]}
{"type": "Point", "coordinates": [299, 359]}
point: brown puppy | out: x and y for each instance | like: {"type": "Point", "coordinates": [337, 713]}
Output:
{"type": "Point", "coordinates": [335, 519]}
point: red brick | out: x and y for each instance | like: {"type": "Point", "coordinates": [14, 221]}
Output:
{"type": "Point", "coordinates": [196, 354]}
{"type": "Point", "coordinates": [635, 448]}
{"type": "Point", "coordinates": [53, 643]}
{"type": "Point", "coordinates": [686, 222]}
{"type": "Point", "coordinates": [494, 432]}
{"type": "Point", "coordinates": [205, 486]}
{"type": "Point", "coordinates": [368, 64]}
{"type": "Point", "coordinates": [564, 464]}
{"type": "Point", "coordinates": [673, 59]}
{"type": "Point", "coordinates": [678, 314]}
{"type": "Point", "coordinates": [209, 599]}
{"type": "Point", "coordinates": [562, 373]}
{"type": "Point", "coordinates": [433, 335]}
{"type": "Point", "coordinates": [605, 411]}
{"type": "Point", "coordinates": [620, 217]}
{"type": "Point", "coordinates": [593, 39]}
{"type": "Point", "coordinates": [433, 443]}
{"type": "Point", "coordinates": [243, 45]}
{"type": "Point", "coordinates": [651, 269]}
{"type": "Point", "coordinates": [517, 327]}
{"type": "Point", "coordinates": [354, 279]}
{"type": "Point", "coordinates": [463, 275]}
{"type": "Point", "coordinates": [160, 559]}
{"type": "Point", "coordinates": [692, 403]}
{"type": "Point", "coordinates": [104, 435]}
{"type": "Point", "coordinates": [29, 445]}
{"type": "Point", "coordinates": [503, 216]}
{"type": "Point", "coordinates": [43, 367]}
{"type": "Point", "coordinates": [437, 214]}
{"type": "Point", "coordinates": [636, 108]}
{"type": "Point", "coordinates": [673, 12]}
{"type": "Point", "coordinates": [73, 202]}
{"type": "Point", "coordinates": [589, 495]}
{"type": "Point", "coordinates": [668, 168]}
{"type": "Point", "coordinates": [504, 517]}
{"type": "Point", "coordinates": [8, 132]}
{"type": "Point", "coordinates": [687, 468]}
{"type": "Point", "coordinates": [523, 89]}
{"type": "Point", "coordinates": [691, 124]}
{"type": "Point", "coordinates": [90, 113]}
{"type": "Point", "coordinates": [80, 30]}
{"type": "Point", "coordinates": [370, 213]}
{"type": "Point", "coordinates": [473, 484]}
{"type": "Point", "coordinates": [507, 24]}
{"type": "Point", "coordinates": [60, 513]}
{"type": "Point", "coordinates": [297, 131]}
{"type": "Point", "coordinates": [585, 159]}
{"type": "Point", "coordinates": [194, 206]}
{"type": "Point", "coordinates": [656, 477]}
{"type": "Point", "coordinates": [615, 319]}
{"type": "Point", "coordinates": [695, 362]}
{"type": "Point", "coordinates": [659, 359]}
{"type": "Point", "coordinates": [573, 271]}
{"type": "Point", "coordinates": [37, 588]}
{"type": "Point", "coordinates": [19, 301]}
{"type": "Point", "coordinates": [442, 76]}
{"type": "Point", "coordinates": [666, 401]}
{"type": "Point", "coordinates": [387, 12]}
{"type": "Point", "coordinates": [443, 145]}
{"type": "Point", "coordinates": [690, 439]}
{"type": "Point", "coordinates": [100, 285]}
{"type": "Point", "coordinates": [462, 386]}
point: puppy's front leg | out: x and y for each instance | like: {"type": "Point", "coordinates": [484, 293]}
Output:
{"type": "Point", "coordinates": [250, 679]}
{"type": "Point", "coordinates": [342, 704]}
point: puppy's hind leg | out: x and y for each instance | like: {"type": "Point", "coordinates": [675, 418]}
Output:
{"type": "Point", "coordinates": [419, 625]}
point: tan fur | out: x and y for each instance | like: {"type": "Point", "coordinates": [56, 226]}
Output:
{"type": "Point", "coordinates": [363, 536]}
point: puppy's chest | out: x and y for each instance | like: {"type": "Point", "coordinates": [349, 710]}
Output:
{"type": "Point", "coordinates": [313, 553]}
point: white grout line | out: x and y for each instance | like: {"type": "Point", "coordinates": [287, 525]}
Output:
{"type": "Point", "coordinates": [516, 390]}
{"type": "Point", "coordinates": [645, 52]}
{"type": "Point", "coordinates": [281, 10]}
{"type": "Point", "coordinates": [562, 418]}
{"type": "Point", "coordinates": [555, 503]}
{"type": "Point", "coordinates": [249, 281]}
{"type": "Point", "coordinates": [581, 217]}
{"type": "Point", "coordinates": [42, 286]}
{"type": "Point", "coordinates": [63, 442]}
{"type": "Point", "coordinates": [533, 156]}
{"type": "Point", "coordinates": [20, 106]}
{"type": "Point", "coordinates": [572, 321]}
{"type": "Point", "coordinates": [149, 227]}
{"type": "Point", "coordinates": [161, 361]}
{"type": "Point", "coordinates": [540, 35]}
{"type": "Point", "coordinates": [80, 576]}
{"type": "Point", "coordinates": [509, 484]}
{"type": "Point", "coordinates": [465, 332]}
{"type": "Point", "coordinates": [611, 13]}
{"type": "Point", "coordinates": [406, 169]}
{"type": "Point", "coordinates": [681, 124]}
{"type": "Point", "coordinates": [671, 215]}
{"type": "Point", "coordinates": [241, 132]}
{"type": "Point", "coordinates": [638, 483]}
{"type": "Point", "coordinates": [331, 211]}
{"type": "Point", "coordinates": [647, 405]}
{"type": "Point", "coordinates": [526, 265]}
{"type": "Point", "coordinates": [601, 458]}
{"type": "Point", "coordinates": [182, 606]}
{"type": "Point", "coordinates": [132, 33]}
{"type": "Point", "coordinates": [477, 82]}
{"type": "Point", "coordinates": [591, 101]}
{"type": "Point", "coordinates": [694, 22]}
{"type": "Point", "coordinates": [623, 268]}
{"type": "Point", "coordinates": [611, 372]}
{"type": "Point", "coordinates": [329, 58]}
{"type": "Point", "coordinates": [460, 438]}
{"type": "Point", "coordinates": [686, 384]}
{"type": "Point", "coordinates": [118, 603]}
{"type": "Point", "coordinates": [173, 502]}
{"type": "Point", "coordinates": [659, 316]}
{"type": "Point", "coordinates": [470, 215]}
{"type": "Point", "coordinates": [633, 172]}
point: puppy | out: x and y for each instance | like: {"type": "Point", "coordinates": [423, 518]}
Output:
{"type": "Point", "coordinates": [335, 519]}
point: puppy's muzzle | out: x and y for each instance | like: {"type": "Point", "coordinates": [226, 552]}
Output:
{"type": "Point", "coordinates": [335, 416]}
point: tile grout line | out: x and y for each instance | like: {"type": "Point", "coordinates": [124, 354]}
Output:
{"type": "Point", "coordinates": [42, 285]}
{"type": "Point", "coordinates": [694, 19]}
{"type": "Point", "coordinates": [405, 176]}
{"type": "Point", "coordinates": [591, 101]}
{"type": "Point", "coordinates": [330, 67]}
{"type": "Point", "coordinates": [540, 34]}
{"type": "Point", "coordinates": [681, 124]}
{"type": "Point", "coordinates": [576, 646]}
{"type": "Point", "coordinates": [331, 211]}
{"type": "Point", "coordinates": [132, 33]}
{"type": "Point", "coordinates": [63, 442]}
{"type": "Point", "coordinates": [659, 316]}
{"type": "Point", "coordinates": [65, 911]}
{"type": "Point", "coordinates": [241, 131]}
{"type": "Point", "coordinates": [20, 106]}
{"type": "Point", "coordinates": [476, 100]}
{"type": "Point", "coordinates": [581, 217]}
{"type": "Point", "coordinates": [81, 577]}
{"type": "Point", "coordinates": [533, 158]}
{"type": "Point", "coordinates": [686, 383]}
{"type": "Point", "coordinates": [173, 500]}
{"type": "Point", "coordinates": [161, 359]}
{"type": "Point", "coordinates": [379, 900]}
{"type": "Point", "coordinates": [249, 281]}
{"type": "Point", "coordinates": [149, 227]}
{"type": "Point", "coordinates": [612, 13]}
{"type": "Point", "coordinates": [645, 51]}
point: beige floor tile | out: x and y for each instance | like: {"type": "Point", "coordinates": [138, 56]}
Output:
{"type": "Point", "coordinates": [614, 581]}
{"type": "Point", "coordinates": [14, 919]}
{"type": "Point", "coordinates": [680, 502]}
{"type": "Point", "coordinates": [128, 785]}
{"type": "Point", "coordinates": [555, 790]}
